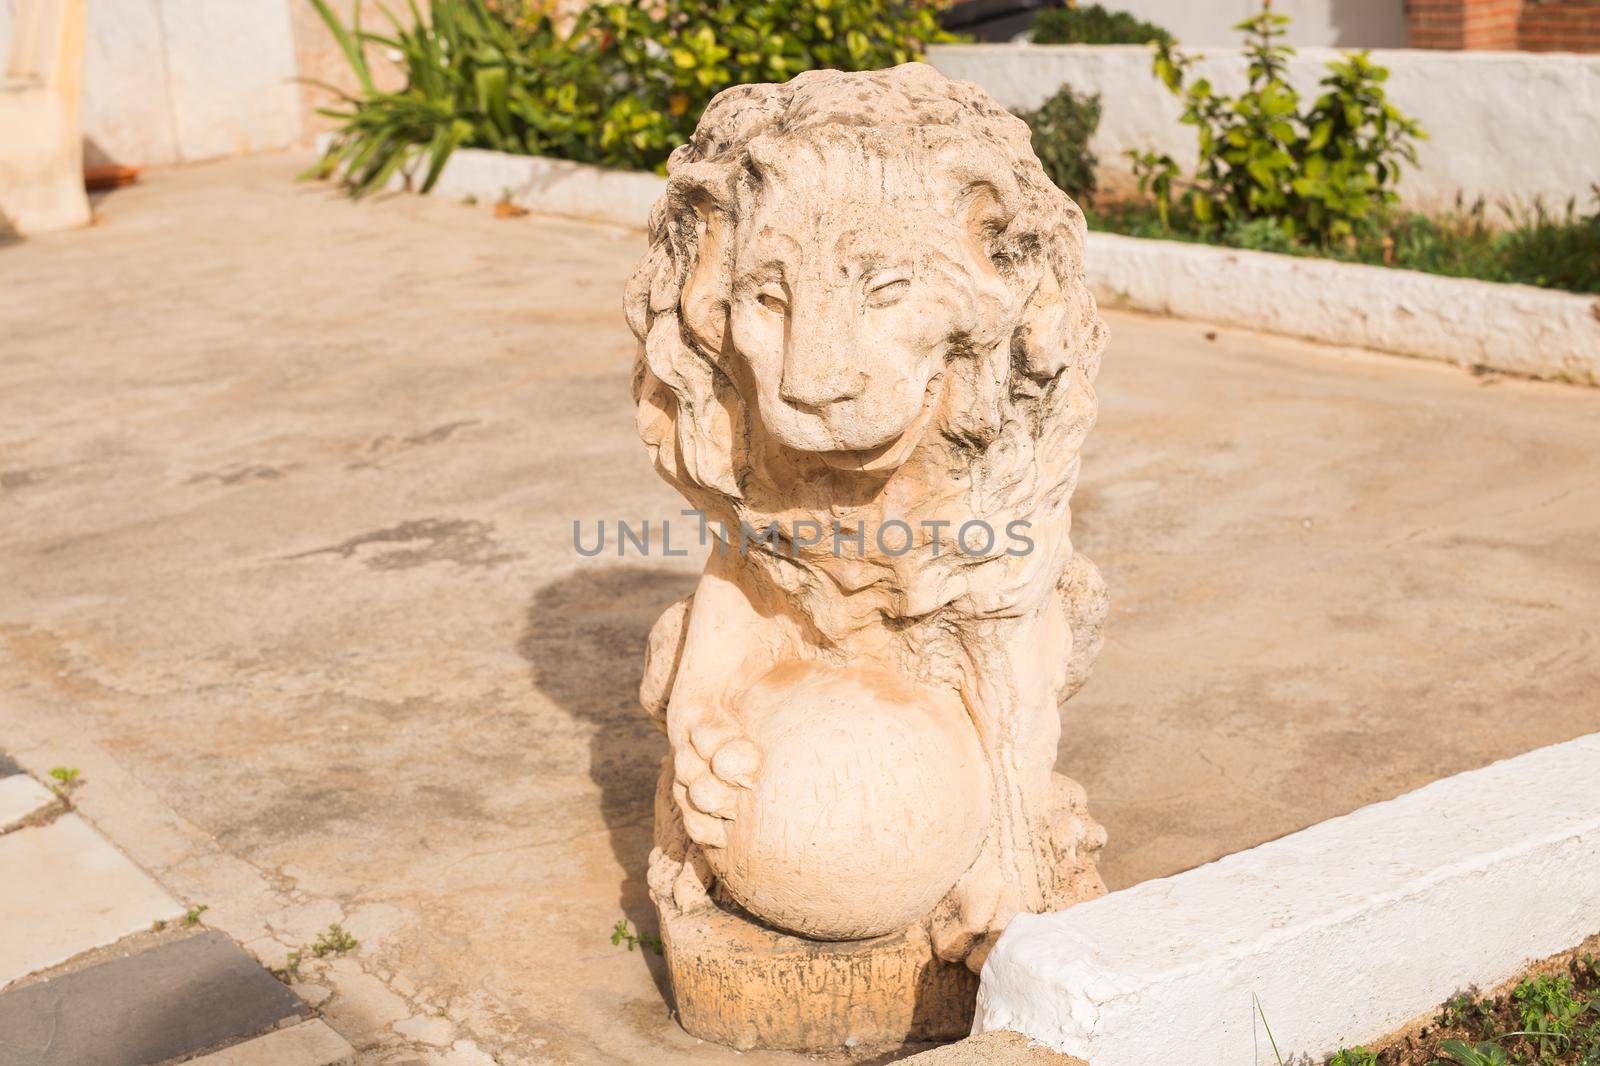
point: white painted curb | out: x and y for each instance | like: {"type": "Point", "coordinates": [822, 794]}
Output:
{"type": "Point", "coordinates": [552, 186]}
{"type": "Point", "coordinates": [1514, 328]}
{"type": "Point", "coordinates": [1517, 328]}
{"type": "Point", "coordinates": [1345, 931]}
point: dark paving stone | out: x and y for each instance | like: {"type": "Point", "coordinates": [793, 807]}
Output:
{"type": "Point", "coordinates": [173, 999]}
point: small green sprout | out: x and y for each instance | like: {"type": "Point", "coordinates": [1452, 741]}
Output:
{"type": "Point", "coordinates": [622, 935]}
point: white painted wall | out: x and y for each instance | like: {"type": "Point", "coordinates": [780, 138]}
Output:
{"type": "Point", "coordinates": [1503, 125]}
{"type": "Point", "coordinates": [169, 81]}
{"type": "Point", "coordinates": [1342, 23]}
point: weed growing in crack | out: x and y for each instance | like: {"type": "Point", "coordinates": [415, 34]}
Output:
{"type": "Point", "coordinates": [333, 941]}
{"type": "Point", "coordinates": [622, 935]}
{"type": "Point", "coordinates": [191, 917]}
{"type": "Point", "coordinates": [66, 779]}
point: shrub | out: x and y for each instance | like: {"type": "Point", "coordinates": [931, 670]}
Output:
{"type": "Point", "coordinates": [1094, 25]}
{"type": "Point", "coordinates": [622, 88]}
{"type": "Point", "coordinates": [1319, 175]}
{"type": "Point", "coordinates": [1062, 127]}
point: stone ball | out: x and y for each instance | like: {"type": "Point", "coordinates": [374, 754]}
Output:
{"type": "Point", "coordinates": [871, 800]}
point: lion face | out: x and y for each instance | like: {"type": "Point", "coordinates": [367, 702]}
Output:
{"type": "Point", "coordinates": [846, 299]}
{"type": "Point", "coordinates": [850, 266]}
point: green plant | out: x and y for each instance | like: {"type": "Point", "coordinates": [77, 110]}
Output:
{"type": "Point", "coordinates": [1485, 1054]}
{"type": "Point", "coordinates": [622, 87]}
{"type": "Point", "coordinates": [1319, 174]}
{"type": "Point", "coordinates": [1094, 24]}
{"type": "Point", "coordinates": [1356, 1056]}
{"type": "Point", "coordinates": [333, 941]}
{"type": "Point", "coordinates": [191, 917]}
{"type": "Point", "coordinates": [1062, 127]}
{"type": "Point", "coordinates": [1465, 1010]}
{"type": "Point", "coordinates": [621, 934]}
{"type": "Point", "coordinates": [66, 779]}
{"type": "Point", "coordinates": [1550, 1010]}
{"type": "Point", "coordinates": [1559, 251]}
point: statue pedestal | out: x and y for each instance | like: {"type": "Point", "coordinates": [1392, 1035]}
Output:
{"type": "Point", "coordinates": [744, 985]}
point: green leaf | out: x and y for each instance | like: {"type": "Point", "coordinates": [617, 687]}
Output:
{"type": "Point", "coordinates": [349, 43]}
{"type": "Point", "coordinates": [493, 88]}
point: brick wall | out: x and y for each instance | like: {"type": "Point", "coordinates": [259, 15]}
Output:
{"type": "Point", "coordinates": [1560, 26]}
{"type": "Point", "coordinates": [1505, 25]}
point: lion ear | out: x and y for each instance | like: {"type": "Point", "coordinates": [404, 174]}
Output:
{"type": "Point", "coordinates": [983, 213]}
{"type": "Point", "coordinates": [702, 237]}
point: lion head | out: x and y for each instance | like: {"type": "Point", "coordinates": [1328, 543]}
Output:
{"type": "Point", "coordinates": [846, 264]}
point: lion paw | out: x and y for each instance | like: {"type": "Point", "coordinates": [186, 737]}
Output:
{"type": "Point", "coordinates": [967, 922]}
{"type": "Point", "coordinates": [711, 767]}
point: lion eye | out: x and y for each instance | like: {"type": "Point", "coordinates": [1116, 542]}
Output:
{"type": "Point", "coordinates": [772, 302]}
{"type": "Point", "coordinates": [887, 292]}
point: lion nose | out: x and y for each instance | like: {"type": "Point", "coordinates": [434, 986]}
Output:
{"type": "Point", "coordinates": [819, 391]}
{"type": "Point", "coordinates": [819, 374]}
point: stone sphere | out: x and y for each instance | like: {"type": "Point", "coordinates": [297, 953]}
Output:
{"type": "Point", "coordinates": [871, 800]}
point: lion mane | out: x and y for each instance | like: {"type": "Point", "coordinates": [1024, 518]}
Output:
{"type": "Point", "coordinates": [689, 413]}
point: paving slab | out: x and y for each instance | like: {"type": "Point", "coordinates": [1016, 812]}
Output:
{"type": "Point", "coordinates": [169, 1001]}
{"type": "Point", "coordinates": [310, 1043]}
{"type": "Point", "coordinates": [22, 797]}
{"type": "Point", "coordinates": [287, 529]}
{"type": "Point", "coordinates": [65, 890]}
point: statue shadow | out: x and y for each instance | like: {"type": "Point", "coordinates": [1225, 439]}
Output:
{"type": "Point", "coordinates": [584, 639]}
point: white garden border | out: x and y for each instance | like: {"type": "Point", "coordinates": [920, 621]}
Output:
{"type": "Point", "coordinates": [1519, 329]}
{"type": "Point", "coordinates": [1513, 328]}
{"type": "Point", "coordinates": [1342, 932]}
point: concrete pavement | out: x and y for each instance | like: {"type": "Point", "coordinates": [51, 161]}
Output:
{"type": "Point", "coordinates": [287, 487]}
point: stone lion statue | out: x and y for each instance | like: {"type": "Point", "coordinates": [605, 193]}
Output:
{"type": "Point", "coordinates": [866, 357]}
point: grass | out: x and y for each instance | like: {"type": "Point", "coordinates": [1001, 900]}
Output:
{"type": "Point", "coordinates": [1554, 249]}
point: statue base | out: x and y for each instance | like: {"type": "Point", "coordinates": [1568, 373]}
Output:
{"type": "Point", "coordinates": [739, 983]}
